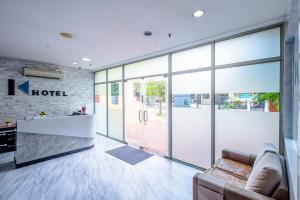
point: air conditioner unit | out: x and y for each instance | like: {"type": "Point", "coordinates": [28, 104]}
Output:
{"type": "Point", "coordinates": [44, 73]}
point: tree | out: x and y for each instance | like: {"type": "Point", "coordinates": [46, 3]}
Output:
{"type": "Point", "coordinates": [272, 97]}
{"type": "Point", "coordinates": [157, 89]}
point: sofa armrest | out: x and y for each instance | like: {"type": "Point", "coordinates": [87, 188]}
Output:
{"type": "Point", "coordinates": [206, 186]}
{"type": "Point", "coordinates": [238, 156]}
{"type": "Point", "coordinates": [236, 193]}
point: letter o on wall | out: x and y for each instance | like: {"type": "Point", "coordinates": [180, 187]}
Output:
{"type": "Point", "coordinates": [44, 92]}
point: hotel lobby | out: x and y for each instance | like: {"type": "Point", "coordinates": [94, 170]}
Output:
{"type": "Point", "coordinates": [149, 100]}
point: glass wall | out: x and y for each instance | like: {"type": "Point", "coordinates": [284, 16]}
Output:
{"type": "Point", "coordinates": [148, 67]}
{"type": "Point", "coordinates": [265, 44]}
{"type": "Point", "coordinates": [191, 59]}
{"type": "Point", "coordinates": [115, 110]}
{"type": "Point", "coordinates": [191, 118]}
{"type": "Point", "coordinates": [100, 76]}
{"type": "Point", "coordinates": [114, 74]}
{"type": "Point", "coordinates": [100, 109]}
{"type": "Point", "coordinates": [242, 82]}
{"type": "Point", "coordinates": [247, 107]}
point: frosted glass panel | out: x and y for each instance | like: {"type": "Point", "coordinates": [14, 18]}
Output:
{"type": "Point", "coordinates": [115, 106]}
{"type": "Point", "coordinates": [148, 67]}
{"type": "Point", "coordinates": [260, 45]}
{"type": "Point", "coordinates": [245, 131]}
{"type": "Point", "coordinates": [100, 76]}
{"type": "Point", "coordinates": [115, 74]}
{"type": "Point", "coordinates": [252, 78]}
{"type": "Point", "coordinates": [247, 107]}
{"type": "Point", "coordinates": [194, 58]}
{"type": "Point", "coordinates": [100, 108]}
{"type": "Point", "coordinates": [191, 115]}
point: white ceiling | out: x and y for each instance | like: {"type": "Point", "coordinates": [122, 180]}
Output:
{"type": "Point", "coordinates": [111, 31]}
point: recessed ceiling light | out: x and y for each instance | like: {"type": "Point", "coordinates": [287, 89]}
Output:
{"type": "Point", "coordinates": [198, 13]}
{"type": "Point", "coordinates": [66, 35]}
{"type": "Point", "coordinates": [74, 63]}
{"type": "Point", "coordinates": [85, 59]}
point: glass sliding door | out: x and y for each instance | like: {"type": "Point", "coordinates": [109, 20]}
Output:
{"type": "Point", "coordinates": [247, 107]}
{"type": "Point", "coordinates": [100, 108]}
{"type": "Point", "coordinates": [155, 115]}
{"type": "Point", "coordinates": [115, 110]}
{"type": "Point", "coordinates": [133, 112]}
{"type": "Point", "coordinates": [191, 118]}
{"type": "Point", "coordinates": [146, 122]}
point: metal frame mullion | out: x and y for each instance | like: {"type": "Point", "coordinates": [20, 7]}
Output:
{"type": "Point", "coordinates": [123, 102]}
{"type": "Point", "coordinates": [100, 83]}
{"type": "Point", "coordinates": [251, 62]}
{"type": "Point", "coordinates": [142, 77]}
{"type": "Point", "coordinates": [170, 105]}
{"type": "Point", "coordinates": [213, 108]}
{"type": "Point", "coordinates": [191, 71]}
{"type": "Point", "coordinates": [106, 103]}
{"type": "Point", "coordinates": [281, 90]}
{"type": "Point", "coordinates": [114, 81]}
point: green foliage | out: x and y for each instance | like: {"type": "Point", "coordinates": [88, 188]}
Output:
{"type": "Point", "coordinates": [156, 88]}
{"type": "Point", "coordinates": [273, 97]}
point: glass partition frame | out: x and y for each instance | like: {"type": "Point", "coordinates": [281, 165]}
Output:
{"type": "Point", "coordinates": [212, 68]}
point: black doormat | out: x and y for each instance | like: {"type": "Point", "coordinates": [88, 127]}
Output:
{"type": "Point", "coordinates": [129, 154]}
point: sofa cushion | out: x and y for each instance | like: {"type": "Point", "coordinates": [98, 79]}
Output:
{"type": "Point", "coordinates": [266, 175]}
{"type": "Point", "coordinates": [236, 168]}
{"type": "Point", "coordinates": [269, 147]}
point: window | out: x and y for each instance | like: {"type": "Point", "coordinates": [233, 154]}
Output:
{"type": "Point", "coordinates": [115, 74]}
{"type": "Point", "coordinates": [100, 76]}
{"type": "Point", "coordinates": [191, 140]}
{"type": "Point", "coordinates": [115, 110]}
{"type": "Point", "coordinates": [148, 67]}
{"type": "Point", "coordinates": [100, 108]}
{"type": "Point", "coordinates": [191, 59]}
{"type": "Point", "coordinates": [247, 107]}
{"type": "Point", "coordinates": [265, 44]}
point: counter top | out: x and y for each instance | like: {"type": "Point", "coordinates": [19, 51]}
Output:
{"type": "Point", "coordinates": [77, 126]}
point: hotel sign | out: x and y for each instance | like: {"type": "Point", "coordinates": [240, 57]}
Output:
{"type": "Point", "coordinates": [24, 87]}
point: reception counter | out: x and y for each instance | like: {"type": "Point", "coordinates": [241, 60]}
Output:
{"type": "Point", "coordinates": [46, 138]}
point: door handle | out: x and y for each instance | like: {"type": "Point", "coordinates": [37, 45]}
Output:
{"type": "Point", "coordinates": [140, 116]}
{"type": "Point", "coordinates": [145, 116]}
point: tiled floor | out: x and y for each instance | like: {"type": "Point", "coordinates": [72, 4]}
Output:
{"type": "Point", "coordinates": [94, 174]}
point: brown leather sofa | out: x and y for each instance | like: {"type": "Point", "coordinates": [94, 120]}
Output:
{"type": "Point", "coordinates": [242, 176]}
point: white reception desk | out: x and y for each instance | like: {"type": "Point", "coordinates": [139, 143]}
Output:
{"type": "Point", "coordinates": [47, 138]}
{"type": "Point", "coordinates": [77, 126]}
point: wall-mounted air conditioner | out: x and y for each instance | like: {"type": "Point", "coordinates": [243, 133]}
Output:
{"type": "Point", "coordinates": [43, 73]}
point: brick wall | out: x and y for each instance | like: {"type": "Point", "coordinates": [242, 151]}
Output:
{"type": "Point", "coordinates": [79, 85]}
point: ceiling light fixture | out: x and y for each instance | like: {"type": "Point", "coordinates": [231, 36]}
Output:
{"type": "Point", "coordinates": [85, 59]}
{"type": "Point", "coordinates": [198, 13]}
{"type": "Point", "coordinates": [74, 63]}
